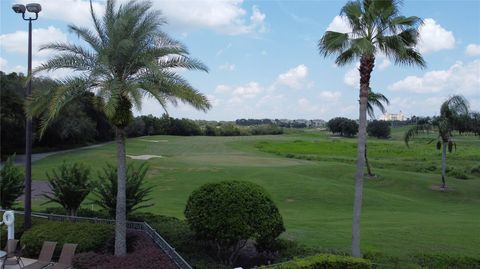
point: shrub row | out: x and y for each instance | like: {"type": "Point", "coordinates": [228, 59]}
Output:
{"type": "Point", "coordinates": [446, 261]}
{"type": "Point", "coordinates": [89, 237]}
{"type": "Point", "coordinates": [324, 261]}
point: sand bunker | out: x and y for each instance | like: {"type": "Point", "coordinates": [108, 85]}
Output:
{"type": "Point", "coordinates": [153, 141]}
{"type": "Point", "coordinates": [143, 157]}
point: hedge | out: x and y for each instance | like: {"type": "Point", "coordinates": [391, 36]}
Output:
{"type": "Point", "coordinates": [324, 261]}
{"type": "Point", "coordinates": [446, 261]}
{"type": "Point", "coordinates": [89, 237]}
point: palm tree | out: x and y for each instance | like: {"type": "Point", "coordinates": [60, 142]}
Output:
{"type": "Point", "coordinates": [451, 110]}
{"type": "Point", "coordinates": [374, 100]}
{"type": "Point", "coordinates": [376, 27]}
{"type": "Point", "coordinates": [128, 57]}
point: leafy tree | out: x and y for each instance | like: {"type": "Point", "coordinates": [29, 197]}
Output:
{"type": "Point", "coordinates": [128, 57]}
{"type": "Point", "coordinates": [451, 110]}
{"type": "Point", "coordinates": [375, 100]}
{"type": "Point", "coordinates": [229, 213]}
{"type": "Point", "coordinates": [69, 186]}
{"type": "Point", "coordinates": [137, 192]}
{"type": "Point", "coordinates": [376, 27]}
{"type": "Point", "coordinates": [343, 126]}
{"type": "Point", "coordinates": [379, 129]}
{"type": "Point", "coordinates": [11, 183]}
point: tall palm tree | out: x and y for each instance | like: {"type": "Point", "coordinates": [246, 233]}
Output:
{"type": "Point", "coordinates": [376, 27]}
{"type": "Point", "coordinates": [374, 100]}
{"type": "Point", "coordinates": [128, 57]}
{"type": "Point", "coordinates": [451, 110]}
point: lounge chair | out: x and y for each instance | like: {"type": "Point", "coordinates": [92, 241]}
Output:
{"type": "Point", "coordinates": [12, 256]}
{"type": "Point", "coordinates": [66, 257]}
{"type": "Point", "coordinates": [45, 257]}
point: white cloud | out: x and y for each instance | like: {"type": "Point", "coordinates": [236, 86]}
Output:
{"type": "Point", "coordinates": [250, 90]}
{"type": "Point", "coordinates": [227, 67]}
{"type": "Point", "coordinates": [70, 11]}
{"type": "Point", "coordinates": [384, 64]}
{"type": "Point", "coordinates": [226, 17]}
{"type": "Point", "coordinates": [214, 101]}
{"type": "Point", "coordinates": [433, 37]}
{"type": "Point", "coordinates": [222, 89]}
{"type": "Point", "coordinates": [294, 78]}
{"type": "Point", "coordinates": [330, 95]}
{"type": "Point", "coordinates": [472, 50]}
{"type": "Point", "coordinates": [17, 42]}
{"type": "Point", "coordinates": [339, 24]}
{"type": "Point", "coordinates": [460, 78]}
{"type": "Point", "coordinates": [352, 77]}
{"type": "Point", "coordinates": [3, 64]}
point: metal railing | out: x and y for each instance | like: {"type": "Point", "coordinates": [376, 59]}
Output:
{"type": "Point", "coordinates": [133, 225]}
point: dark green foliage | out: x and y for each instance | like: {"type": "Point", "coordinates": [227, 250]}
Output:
{"type": "Point", "coordinates": [343, 126]}
{"type": "Point", "coordinates": [11, 113]}
{"type": "Point", "coordinates": [325, 261]}
{"type": "Point", "coordinates": [89, 237]}
{"type": "Point", "coordinates": [136, 128]}
{"type": "Point", "coordinates": [230, 212]}
{"type": "Point", "coordinates": [229, 130]}
{"type": "Point", "coordinates": [445, 261]}
{"type": "Point", "coordinates": [11, 183]}
{"type": "Point", "coordinates": [210, 130]}
{"type": "Point", "coordinates": [136, 190]}
{"type": "Point", "coordinates": [266, 130]}
{"type": "Point", "coordinates": [475, 170]}
{"type": "Point", "coordinates": [69, 186]}
{"type": "Point", "coordinates": [379, 129]}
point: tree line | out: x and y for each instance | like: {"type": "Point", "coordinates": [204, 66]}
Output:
{"type": "Point", "coordinates": [84, 122]}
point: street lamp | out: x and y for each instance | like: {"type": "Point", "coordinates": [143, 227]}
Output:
{"type": "Point", "coordinates": [32, 8]}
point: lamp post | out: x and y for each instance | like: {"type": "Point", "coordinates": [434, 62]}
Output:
{"type": "Point", "coordinates": [32, 8]}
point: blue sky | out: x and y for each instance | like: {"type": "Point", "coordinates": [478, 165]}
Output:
{"type": "Point", "coordinates": [263, 58]}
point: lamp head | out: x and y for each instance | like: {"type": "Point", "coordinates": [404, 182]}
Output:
{"type": "Point", "coordinates": [34, 8]}
{"type": "Point", "coordinates": [18, 8]}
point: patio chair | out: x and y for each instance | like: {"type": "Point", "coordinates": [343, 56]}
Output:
{"type": "Point", "coordinates": [45, 257]}
{"type": "Point", "coordinates": [66, 257]}
{"type": "Point", "coordinates": [13, 254]}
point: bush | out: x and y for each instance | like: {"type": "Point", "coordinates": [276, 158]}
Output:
{"type": "Point", "coordinates": [89, 237]}
{"type": "Point", "coordinates": [441, 261]}
{"type": "Point", "coordinates": [343, 126]}
{"type": "Point", "coordinates": [69, 186]}
{"type": "Point", "coordinates": [136, 191]}
{"type": "Point", "coordinates": [475, 170]}
{"type": "Point", "coordinates": [379, 129]}
{"type": "Point", "coordinates": [325, 261]}
{"type": "Point", "coordinates": [11, 183]}
{"type": "Point", "coordinates": [229, 213]}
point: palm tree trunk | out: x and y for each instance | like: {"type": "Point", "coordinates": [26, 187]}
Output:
{"type": "Point", "coordinates": [366, 67]}
{"type": "Point", "coordinates": [444, 164]}
{"type": "Point", "coordinates": [120, 214]}
{"type": "Point", "coordinates": [369, 170]}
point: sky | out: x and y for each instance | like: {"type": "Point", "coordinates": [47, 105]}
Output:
{"type": "Point", "coordinates": [263, 58]}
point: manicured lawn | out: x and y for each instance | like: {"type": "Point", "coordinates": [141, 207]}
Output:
{"type": "Point", "coordinates": [402, 214]}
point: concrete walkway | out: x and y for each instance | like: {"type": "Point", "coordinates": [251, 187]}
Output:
{"type": "Point", "coordinates": [20, 158]}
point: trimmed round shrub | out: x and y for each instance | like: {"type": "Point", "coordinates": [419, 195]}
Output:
{"type": "Point", "coordinates": [229, 213]}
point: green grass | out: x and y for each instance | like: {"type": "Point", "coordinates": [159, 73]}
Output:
{"type": "Point", "coordinates": [401, 215]}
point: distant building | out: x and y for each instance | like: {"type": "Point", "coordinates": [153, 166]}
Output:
{"type": "Point", "coordinates": [317, 123]}
{"type": "Point", "coordinates": [393, 117]}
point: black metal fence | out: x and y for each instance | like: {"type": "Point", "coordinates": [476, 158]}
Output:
{"type": "Point", "coordinates": [134, 225]}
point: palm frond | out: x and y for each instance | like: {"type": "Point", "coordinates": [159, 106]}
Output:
{"type": "Point", "coordinates": [414, 131]}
